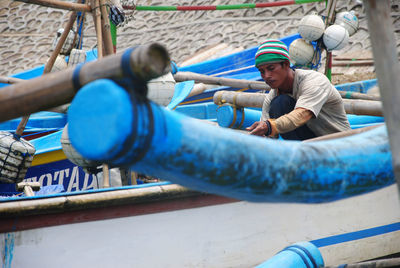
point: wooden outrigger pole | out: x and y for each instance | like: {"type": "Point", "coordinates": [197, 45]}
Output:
{"type": "Point", "coordinates": [59, 5]}
{"type": "Point", "coordinates": [49, 65]}
{"type": "Point", "coordinates": [330, 18]}
{"type": "Point", "coordinates": [387, 65]}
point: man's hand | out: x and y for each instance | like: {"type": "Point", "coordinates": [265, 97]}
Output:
{"type": "Point", "coordinates": [259, 128]}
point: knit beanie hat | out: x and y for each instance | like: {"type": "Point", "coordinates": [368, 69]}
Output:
{"type": "Point", "coordinates": [271, 51]}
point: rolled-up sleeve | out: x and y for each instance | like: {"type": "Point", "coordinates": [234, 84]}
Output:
{"type": "Point", "coordinates": [266, 104]}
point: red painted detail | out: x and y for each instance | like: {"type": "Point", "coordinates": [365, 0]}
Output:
{"type": "Point", "coordinates": [329, 55]}
{"type": "Point", "coordinates": [19, 223]}
{"type": "Point", "coordinates": [275, 4]}
{"type": "Point", "coordinates": [30, 136]}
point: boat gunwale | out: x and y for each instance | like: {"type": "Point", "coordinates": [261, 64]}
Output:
{"type": "Point", "coordinates": [59, 203]}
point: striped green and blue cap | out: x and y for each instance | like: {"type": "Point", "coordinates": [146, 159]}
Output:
{"type": "Point", "coordinates": [271, 51]}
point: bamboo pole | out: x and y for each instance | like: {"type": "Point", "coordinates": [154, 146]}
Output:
{"type": "Point", "coordinates": [199, 88]}
{"type": "Point", "coordinates": [97, 26]}
{"type": "Point", "coordinates": [384, 49]}
{"type": "Point", "coordinates": [241, 99]}
{"type": "Point", "coordinates": [54, 89]}
{"type": "Point", "coordinates": [217, 7]}
{"type": "Point", "coordinates": [363, 107]}
{"type": "Point", "coordinates": [101, 32]}
{"type": "Point", "coordinates": [61, 41]}
{"type": "Point", "coordinates": [59, 4]}
{"type": "Point", "coordinates": [353, 63]}
{"type": "Point", "coordinates": [347, 58]}
{"type": "Point", "coordinates": [49, 65]}
{"type": "Point", "coordinates": [330, 18]}
{"type": "Point", "coordinates": [236, 83]}
{"type": "Point", "coordinates": [255, 100]}
{"type": "Point", "coordinates": [106, 176]}
{"type": "Point", "coordinates": [105, 25]}
{"type": "Point", "coordinates": [134, 177]}
{"type": "Point", "coordinates": [250, 84]}
{"type": "Point", "coordinates": [10, 80]}
{"type": "Point", "coordinates": [358, 96]}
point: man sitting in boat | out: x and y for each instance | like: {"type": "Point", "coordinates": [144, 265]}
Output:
{"type": "Point", "coordinates": [301, 104]}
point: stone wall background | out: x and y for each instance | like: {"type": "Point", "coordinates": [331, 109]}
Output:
{"type": "Point", "coordinates": [27, 31]}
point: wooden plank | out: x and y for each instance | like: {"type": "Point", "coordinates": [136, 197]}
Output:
{"type": "Point", "coordinates": [384, 49]}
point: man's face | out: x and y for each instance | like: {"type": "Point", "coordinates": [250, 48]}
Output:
{"type": "Point", "coordinates": [274, 74]}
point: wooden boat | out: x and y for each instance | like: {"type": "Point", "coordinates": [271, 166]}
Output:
{"type": "Point", "coordinates": [208, 230]}
{"type": "Point", "coordinates": [166, 225]}
{"type": "Point", "coordinates": [50, 165]}
{"type": "Point", "coordinates": [39, 124]}
{"type": "Point", "coordinates": [66, 224]}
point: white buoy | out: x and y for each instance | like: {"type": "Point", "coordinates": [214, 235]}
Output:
{"type": "Point", "coordinates": [73, 155]}
{"type": "Point", "coordinates": [16, 157]}
{"type": "Point", "coordinates": [301, 52]}
{"type": "Point", "coordinates": [311, 27]}
{"type": "Point", "coordinates": [161, 89]}
{"type": "Point", "coordinates": [348, 20]}
{"type": "Point", "coordinates": [335, 37]}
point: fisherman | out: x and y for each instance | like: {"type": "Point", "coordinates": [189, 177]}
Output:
{"type": "Point", "coordinates": [302, 104]}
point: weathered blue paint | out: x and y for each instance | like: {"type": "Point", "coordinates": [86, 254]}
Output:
{"type": "Point", "coordinates": [107, 126]}
{"type": "Point", "coordinates": [206, 111]}
{"type": "Point", "coordinates": [8, 253]}
{"type": "Point", "coordinates": [226, 118]}
{"type": "Point", "coordinates": [245, 117]}
{"type": "Point", "coordinates": [234, 62]}
{"type": "Point", "coordinates": [181, 91]}
{"type": "Point", "coordinates": [299, 255]}
{"type": "Point", "coordinates": [362, 87]}
{"type": "Point", "coordinates": [364, 119]}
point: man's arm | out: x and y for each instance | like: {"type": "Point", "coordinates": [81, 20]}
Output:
{"type": "Point", "coordinates": [283, 124]}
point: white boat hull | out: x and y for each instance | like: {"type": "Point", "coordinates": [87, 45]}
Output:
{"type": "Point", "coordinates": [231, 234]}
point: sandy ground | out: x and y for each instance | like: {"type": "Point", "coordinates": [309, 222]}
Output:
{"type": "Point", "coordinates": [27, 31]}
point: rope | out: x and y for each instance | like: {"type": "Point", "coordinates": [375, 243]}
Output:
{"type": "Point", "coordinates": [23, 154]}
{"type": "Point", "coordinates": [235, 107]}
{"type": "Point", "coordinates": [218, 7]}
{"type": "Point", "coordinates": [234, 111]}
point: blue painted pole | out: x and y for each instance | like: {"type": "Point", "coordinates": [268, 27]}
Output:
{"type": "Point", "coordinates": [298, 255]}
{"type": "Point", "coordinates": [109, 125]}
{"type": "Point", "coordinates": [240, 118]}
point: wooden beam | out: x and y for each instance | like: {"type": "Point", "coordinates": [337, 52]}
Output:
{"type": "Point", "coordinates": [59, 4]}
{"type": "Point", "coordinates": [255, 100]}
{"type": "Point", "coordinates": [97, 26]}
{"type": "Point", "coordinates": [106, 29]}
{"type": "Point", "coordinates": [381, 30]}
{"type": "Point", "coordinates": [10, 80]}
{"type": "Point", "coordinates": [251, 84]}
{"type": "Point", "coordinates": [54, 89]}
{"type": "Point", "coordinates": [49, 65]}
